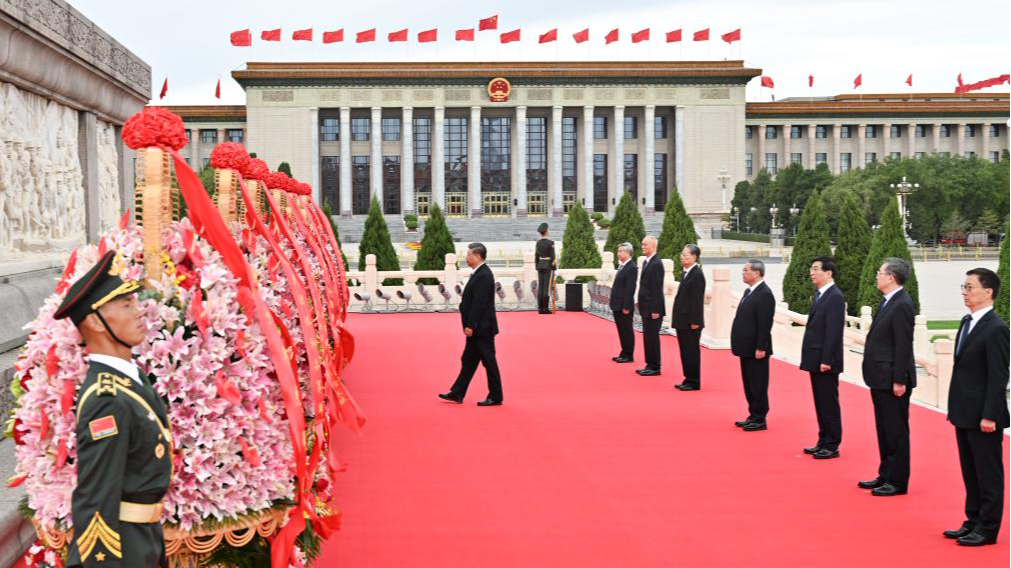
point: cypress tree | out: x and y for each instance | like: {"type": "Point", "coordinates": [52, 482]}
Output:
{"type": "Point", "coordinates": [284, 167]}
{"type": "Point", "coordinates": [579, 249]}
{"type": "Point", "coordinates": [627, 226]}
{"type": "Point", "coordinates": [852, 245]}
{"type": "Point", "coordinates": [436, 243]}
{"type": "Point", "coordinates": [678, 231]}
{"type": "Point", "coordinates": [376, 240]}
{"type": "Point", "coordinates": [888, 242]}
{"type": "Point", "coordinates": [1003, 272]}
{"type": "Point", "coordinates": [811, 242]}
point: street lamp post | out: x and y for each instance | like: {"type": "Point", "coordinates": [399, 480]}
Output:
{"type": "Point", "coordinates": [736, 211]}
{"type": "Point", "coordinates": [777, 236]}
{"type": "Point", "coordinates": [724, 178]}
{"type": "Point", "coordinates": [773, 211]}
{"type": "Point", "coordinates": [793, 214]}
{"type": "Point", "coordinates": [902, 191]}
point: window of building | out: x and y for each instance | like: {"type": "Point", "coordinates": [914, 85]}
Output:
{"type": "Point", "coordinates": [495, 154]}
{"type": "Point", "coordinates": [820, 158]}
{"type": "Point", "coordinates": [896, 155]}
{"type": "Point", "coordinates": [796, 158]}
{"type": "Point", "coordinates": [206, 162]}
{"type": "Point", "coordinates": [330, 182]}
{"type": "Point", "coordinates": [770, 163]}
{"type": "Point", "coordinates": [921, 131]}
{"type": "Point", "coordinates": [660, 127]}
{"type": "Point", "coordinates": [659, 181]}
{"type": "Point", "coordinates": [919, 155]}
{"type": "Point", "coordinates": [234, 135]}
{"type": "Point", "coordinates": [329, 129]}
{"type": "Point", "coordinates": [600, 128]}
{"type": "Point", "coordinates": [360, 190]}
{"type": "Point", "coordinates": [632, 176]}
{"type": "Point", "coordinates": [569, 183]}
{"type": "Point", "coordinates": [870, 158]}
{"type": "Point", "coordinates": [748, 132]}
{"type": "Point", "coordinates": [796, 132]}
{"type": "Point", "coordinates": [537, 154]}
{"type": "Point", "coordinates": [845, 131]}
{"type": "Point", "coordinates": [821, 132]}
{"type": "Point", "coordinates": [771, 132]}
{"type": "Point", "coordinates": [391, 183]}
{"type": "Point", "coordinates": [896, 131]}
{"type": "Point", "coordinates": [845, 161]}
{"type": "Point", "coordinates": [600, 182]}
{"type": "Point", "coordinates": [994, 131]}
{"type": "Point", "coordinates": [360, 129]}
{"type": "Point", "coordinates": [456, 153]}
{"type": "Point", "coordinates": [748, 168]}
{"type": "Point", "coordinates": [391, 129]}
{"type": "Point", "coordinates": [208, 136]}
{"type": "Point", "coordinates": [970, 154]}
{"type": "Point", "coordinates": [995, 157]}
{"type": "Point", "coordinates": [631, 127]}
{"type": "Point", "coordinates": [945, 131]}
{"type": "Point", "coordinates": [422, 130]}
{"type": "Point", "coordinates": [188, 135]}
{"type": "Point", "coordinates": [870, 131]}
{"type": "Point", "coordinates": [970, 130]}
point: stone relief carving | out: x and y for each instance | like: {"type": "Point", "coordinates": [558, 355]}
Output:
{"type": "Point", "coordinates": [41, 189]}
{"type": "Point", "coordinates": [108, 177]}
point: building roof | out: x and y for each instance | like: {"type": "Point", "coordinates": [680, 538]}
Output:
{"type": "Point", "coordinates": [209, 113]}
{"type": "Point", "coordinates": [938, 105]}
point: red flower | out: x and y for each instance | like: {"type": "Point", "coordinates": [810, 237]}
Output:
{"type": "Point", "coordinates": [278, 180]}
{"type": "Point", "coordinates": [154, 127]}
{"type": "Point", "coordinates": [230, 156]}
{"type": "Point", "coordinates": [256, 169]}
{"type": "Point", "coordinates": [189, 278]}
{"type": "Point", "coordinates": [305, 188]}
{"type": "Point", "coordinates": [293, 185]}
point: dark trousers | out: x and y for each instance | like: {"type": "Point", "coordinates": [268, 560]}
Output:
{"type": "Point", "coordinates": [651, 341]}
{"type": "Point", "coordinates": [625, 333]}
{"type": "Point", "coordinates": [479, 350]}
{"type": "Point", "coordinates": [688, 344]}
{"type": "Point", "coordinates": [825, 387]}
{"type": "Point", "coordinates": [982, 460]}
{"type": "Point", "coordinates": [891, 416]}
{"type": "Point", "coordinates": [755, 376]}
{"type": "Point", "coordinates": [543, 291]}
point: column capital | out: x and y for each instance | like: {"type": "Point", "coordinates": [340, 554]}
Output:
{"type": "Point", "coordinates": [345, 109]}
{"type": "Point", "coordinates": [475, 108]}
{"type": "Point", "coordinates": [588, 107]}
{"type": "Point", "coordinates": [518, 107]}
{"type": "Point", "coordinates": [650, 107]}
{"type": "Point", "coordinates": [312, 109]}
{"type": "Point", "coordinates": [619, 107]}
{"type": "Point", "coordinates": [408, 109]}
{"type": "Point", "coordinates": [557, 107]}
{"type": "Point", "coordinates": [439, 107]}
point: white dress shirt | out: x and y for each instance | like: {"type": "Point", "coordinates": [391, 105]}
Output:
{"type": "Point", "coordinates": [128, 368]}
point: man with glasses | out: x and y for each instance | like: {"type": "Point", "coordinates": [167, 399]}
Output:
{"type": "Point", "coordinates": [890, 373]}
{"type": "Point", "coordinates": [822, 356]}
{"type": "Point", "coordinates": [978, 409]}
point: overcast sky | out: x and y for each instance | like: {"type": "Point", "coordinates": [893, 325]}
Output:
{"type": "Point", "coordinates": [885, 40]}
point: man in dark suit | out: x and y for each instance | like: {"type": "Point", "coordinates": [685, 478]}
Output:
{"type": "Point", "coordinates": [622, 302]}
{"type": "Point", "coordinates": [978, 410]}
{"type": "Point", "coordinates": [544, 261]}
{"type": "Point", "coordinates": [688, 319]}
{"type": "Point", "coordinates": [822, 356]}
{"type": "Point", "coordinates": [890, 372]}
{"type": "Point", "coordinates": [477, 313]}
{"type": "Point", "coordinates": [751, 340]}
{"type": "Point", "coordinates": [652, 307]}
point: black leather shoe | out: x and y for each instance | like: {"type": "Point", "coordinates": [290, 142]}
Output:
{"type": "Point", "coordinates": [755, 426]}
{"type": "Point", "coordinates": [489, 402]}
{"type": "Point", "coordinates": [686, 387]}
{"type": "Point", "coordinates": [616, 358]}
{"type": "Point", "coordinates": [871, 483]}
{"type": "Point", "coordinates": [975, 539]}
{"type": "Point", "coordinates": [887, 490]}
{"type": "Point", "coordinates": [451, 397]}
{"type": "Point", "coordinates": [742, 423]}
{"type": "Point", "coordinates": [648, 372]}
{"type": "Point", "coordinates": [966, 529]}
{"type": "Point", "coordinates": [824, 454]}
{"type": "Point", "coordinates": [622, 360]}
{"type": "Point", "coordinates": [812, 450]}
{"type": "Point", "coordinates": [641, 370]}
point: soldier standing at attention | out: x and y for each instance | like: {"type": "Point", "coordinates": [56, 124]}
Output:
{"type": "Point", "coordinates": [124, 446]}
{"type": "Point", "coordinates": [544, 261]}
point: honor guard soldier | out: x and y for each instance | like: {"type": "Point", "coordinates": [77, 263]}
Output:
{"type": "Point", "coordinates": [124, 446]}
{"type": "Point", "coordinates": [544, 255]}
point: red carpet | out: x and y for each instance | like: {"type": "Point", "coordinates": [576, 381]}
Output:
{"type": "Point", "coordinates": [588, 464]}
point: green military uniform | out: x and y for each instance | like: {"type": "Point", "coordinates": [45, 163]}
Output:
{"type": "Point", "coordinates": [124, 447]}
{"type": "Point", "coordinates": [544, 261]}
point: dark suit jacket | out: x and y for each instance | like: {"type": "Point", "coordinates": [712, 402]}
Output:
{"type": "Point", "coordinates": [651, 300]}
{"type": "Point", "coordinates": [979, 378]}
{"type": "Point", "coordinates": [888, 349]}
{"type": "Point", "coordinates": [623, 289]}
{"type": "Point", "coordinates": [823, 335]}
{"type": "Point", "coordinates": [477, 308]}
{"type": "Point", "coordinates": [544, 254]}
{"type": "Point", "coordinates": [690, 300]}
{"type": "Point", "coordinates": [752, 328]}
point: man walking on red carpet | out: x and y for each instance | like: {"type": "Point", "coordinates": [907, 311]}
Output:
{"type": "Point", "coordinates": [822, 356]}
{"type": "Point", "coordinates": [480, 326]}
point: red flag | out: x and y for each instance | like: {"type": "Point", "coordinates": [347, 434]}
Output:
{"type": "Point", "coordinates": [582, 36]}
{"type": "Point", "coordinates": [858, 81]}
{"type": "Point", "coordinates": [960, 80]}
{"type": "Point", "coordinates": [334, 36]}
{"type": "Point", "coordinates": [731, 37]}
{"type": "Point", "coordinates": [490, 23]}
{"type": "Point", "coordinates": [271, 35]}
{"type": "Point", "coordinates": [549, 36]}
{"type": "Point", "coordinates": [164, 89]}
{"type": "Point", "coordinates": [366, 36]}
{"type": "Point", "coordinates": [810, 80]}
{"type": "Point", "coordinates": [641, 35]}
{"type": "Point", "coordinates": [428, 35]}
{"type": "Point", "coordinates": [909, 80]}
{"type": "Point", "coordinates": [217, 90]}
{"type": "Point", "coordinates": [242, 38]}
{"type": "Point", "coordinates": [302, 35]}
{"type": "Point", "coordinates": [767, 82]}
{"type": "Point", "coordinates": [611, 37]}
{"type": "Point", "coordinates": [991, 82]}
{"type": "Point", "coordinates": [674, 36]}
{"type": "Point", "coordinates": [465, 35]}
{"type": "Point", "coordinates": [509, 37]}
{"type": "Point", "coordinates": [397, 36]}
{"type": "Point", "coordinates": [701, 35]}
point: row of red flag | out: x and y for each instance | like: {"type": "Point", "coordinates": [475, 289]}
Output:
{"type": "Point", "coordinates": [244, 38]}
{"type": "Point", "coordinates": [961, 87]}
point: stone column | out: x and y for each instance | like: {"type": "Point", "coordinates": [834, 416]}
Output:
{"type": "Point", "coordinates": [887, 132]}
{"type": "Point", "coordinates": [787, 146]}
{"type": "Point", "coordinates": [195, 149]}
{"type": "Point", "coordinates": [648, 146]}
{"type": "Point", "coordinates": [761, 147]}
{"type": "Point", "coordinates": [861, 145]}
{"type": "Point", "coordinates": [960, 140]}
{"type": "Point", "coordinates": [985, 142]}
{"type": "Point", "coordinates": [836, 158]}
{"type": "Point", "coordinates": [936, 135]}
{"type": "Point", "coordinates": [124, 167]}
{"type": "Point", "coordinates": [679, 149]}
{"type": "Point", "coordinates": [439, 158]}
{"type": "Point", "coordinates": [474, 164]}
{"type": "Point", "coordinates": [519, 177]}
{"type": "Point", "coordinates": [345, 173]}
{"type": "Point", "coordinates": [911, 143]}
{"type": "Point", "coordinates": [407, 161]}
{"type": "Point", "coordinates": [617, 186]}
{"type": "Point", "coordinates": [812, 132]}
{"type": "Point", "coordinates": [317, 190]}
{"type": "Point", "coordinates": [87, 152]}
{"type": "Point", "coordinates": [586, 185]}
{"type": "Point", "coordinates": [555, 162]}
{"type": "Point", "coordinates": [221, 136]}
{"type": "Point", "coordinates": [376, 159]}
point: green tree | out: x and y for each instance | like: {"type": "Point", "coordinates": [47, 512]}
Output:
{"type": "Point", "coordinates": [207, 180]}
{"type": "Point", "coordinates": [1004, 273]}
{"type": "Point", "coordinates": [759, 221]}
{"type": "Point", "coordinates": [436, 243]}
{"type": "Point", "coordinates": [741, 200]}
{"type": "Point", "coordinates": [336, 232]}
{"type": "Point", "coordinates": [376, 240]}
{"type": "Point", "coordinates": [678, 230]}
{"type": "Point", "coordinates": [627, 226]}
{"type": "Point", "coordinates": [852, 244]}
{"type": "Point", "coordinates": [987, 222]}
{"type": "Point", "coordinates": [284, 167]}
{"type": "Point", "coordinates": [579, 249]}
{"type": "Point", "coordinates": [889, 241]}
{"type": "Point", "coordinates": [811, 242]}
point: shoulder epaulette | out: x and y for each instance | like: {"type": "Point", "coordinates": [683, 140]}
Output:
{"type": "Point", "coordinates": [107, 384]}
